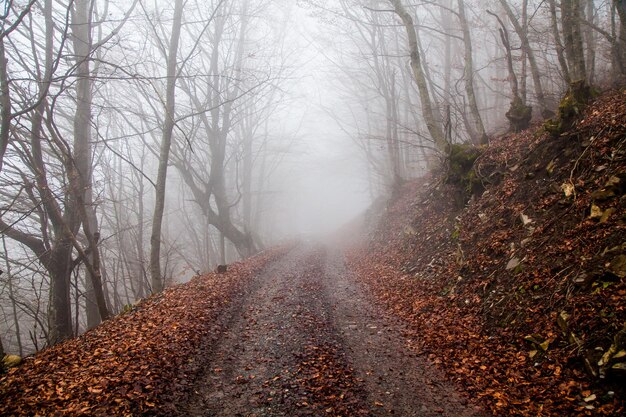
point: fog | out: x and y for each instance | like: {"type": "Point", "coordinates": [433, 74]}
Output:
{"type": "Point", "coordinates": [145, 142]}
{"type": "Point", "coordinates": [322, 182]}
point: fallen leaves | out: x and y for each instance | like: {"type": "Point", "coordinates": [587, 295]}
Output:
{"type": "Point", "coordinates": [474, 326]}
{"type": "Point", "coordinates": [133, 364]}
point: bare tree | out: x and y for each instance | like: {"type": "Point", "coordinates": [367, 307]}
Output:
{"type": "Point", "coordinates": [519, 113]}
{"type": "Point", "coordinates": [522, 32]}
{"type": "Point", "coordinates": [481, 135]}
{"type": "Point", "coordinates": [166, 143]}
{"type": "Point", "coordinates": [434, 127]}
{"type": "Point", "coordinates": [571, 14]}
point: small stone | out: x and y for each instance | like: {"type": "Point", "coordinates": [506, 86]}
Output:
{"type": "Point", "coordinates": [607, 214]}
{"type": "Point", "coordinates": [590, 398]}
{"type": "Point", "coordinates": [602, 195]}
{"type": "Point", "coordinates": [513, 263]}
{"type": "Point", "coordinates": [410, 231]}
{"type": "Point", "coordinates": [568, 189]}
{"type": "Point", "coordinates": [618, 266]}
{"type": "Point", "coordinates": [595, 212]}
{"type": "Point", "coordinates": [563, 321]}
{"type": "Point", "coordinates": [525, 219]}
{"type": "Point", "coordinates": [582, 279]}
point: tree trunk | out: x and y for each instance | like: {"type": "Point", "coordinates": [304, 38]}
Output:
{"type": "Point", "coordinates": [434, 128]}
{"type": "Point", "coordinates": [59, 309]}
{"type": "Point", "coordinates": [164, 153]}
{"type": "Point", "coordinates": [620, 45]}
{"type": "Point", "coordinates": [560, 49]}
{"type": "Point", "coordinates": [82, 158]}
{"type": "Point", "coordinates": [469, 77]}
{"type": "Point", "coordinates": [590, 41]}
{"type": "Point", "coordinates": [519, 114]}
{"type": "Point", "coordinates": [5, 104]}
{"type": "Point", "coordinates": [530, 54]}
{"type": "Point", "coordinates": [16, 321]}
{"type": "Point", "coordinates": [572, 37]}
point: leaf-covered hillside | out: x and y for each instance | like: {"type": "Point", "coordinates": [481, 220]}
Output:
{"type": "Point", "coordinates": [520, 295]}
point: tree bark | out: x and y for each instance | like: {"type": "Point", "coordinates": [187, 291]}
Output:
{"type": "Point", "coordinates": [83, 160]}
{"type": "Point", "coordinates": [468, 74]}
{"type": "Point", "coordinates": [572, 37]}
{"type": "Point", "coordinates": [530, 54]}
{"type": "Point", "coordinates": [164, 153]}
{"type": "Point", "coordinates": [519, 114]}
{"type": "Point", "coordinates": [434, 128]}
{"type": "Point", "coordinates": [590, 40]}
{"type": "Point", "coordinates": [9, 278]}
{"type": "Point", "coordinates": [620, 46]}
{"type": "Point", "coordinates": [560, 49]}
{"type": "Point", "coordinates": [5, 103]}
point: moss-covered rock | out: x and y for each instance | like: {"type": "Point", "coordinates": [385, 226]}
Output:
{"type": "Point", "coordinates": [461, 170]}
{"type": "Point", "coordinates": [519, 115]}
{"type": "Point", "coordinates": [11, 361]}
{"type": "Point", "coordinates": [570, 108]}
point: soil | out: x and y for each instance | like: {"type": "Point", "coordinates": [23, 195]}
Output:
{"type": "Point", "coordinates": [305, 340]}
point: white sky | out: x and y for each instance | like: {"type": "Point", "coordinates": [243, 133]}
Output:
{"type": "Point", "coordinates": [325, 178]}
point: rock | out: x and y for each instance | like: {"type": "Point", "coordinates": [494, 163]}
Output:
{"type": "Point", "coordinates": [563, 321]}
{"type": "Point", "coordinates": [410, 231]}
{"type": "Point", "coordinates": [513, 263]}
{"type": "Point", "coordinates": [603, 195]}
{"type": "Point", "coordinates": [568, 189]}
{"type": "Point", "coordinates": [607, 214]}
{"type": "Point", "coordinates": [582, 279]}
{"type": "Point", "coordinates": [11, 361]}
{"type": "Point", "coordinates": [618, 266]}
{"type": "Point", "coordinates": [550, 168]}
{"type": "Point", "coordinates": [595, 212]}
{"type": "Point", "coordinates": [525, 219]}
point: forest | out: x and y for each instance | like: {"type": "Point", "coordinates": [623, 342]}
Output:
{"type": "Point", "coordinates": [147, 142]}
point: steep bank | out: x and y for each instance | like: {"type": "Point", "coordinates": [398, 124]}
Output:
{"type": "Point", "coordinates": [520, 295]}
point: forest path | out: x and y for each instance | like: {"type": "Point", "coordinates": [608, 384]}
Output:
{"type": "Point", "coordinates": [306, 341]}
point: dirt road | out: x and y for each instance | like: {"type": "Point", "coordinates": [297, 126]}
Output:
{"type": "Point", "coordinates": [305, 341]}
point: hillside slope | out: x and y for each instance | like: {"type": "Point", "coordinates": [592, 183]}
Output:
{"type": "Point", "coordinates": [520, 295]}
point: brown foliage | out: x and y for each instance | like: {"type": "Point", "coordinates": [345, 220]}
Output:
{"type": "Point", "coordinates": [134, 363]}
{"type": "Point", "coordinates": [445, 270]}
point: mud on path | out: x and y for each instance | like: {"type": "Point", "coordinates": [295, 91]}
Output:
{"type": "Point", "coordinates": [305, 341]}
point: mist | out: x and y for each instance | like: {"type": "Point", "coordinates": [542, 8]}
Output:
{"type": "Point", "coordinates": [143, 143]}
